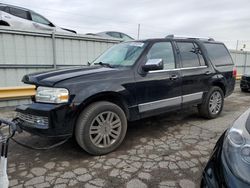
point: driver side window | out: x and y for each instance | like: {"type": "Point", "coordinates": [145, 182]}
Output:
{"type": "Point", "coordinates": [164, 51]}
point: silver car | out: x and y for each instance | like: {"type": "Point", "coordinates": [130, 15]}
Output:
{"type": "Point", "coordinates": [113, 34]}
{"type": "Point", "coordinates": [21, 18]}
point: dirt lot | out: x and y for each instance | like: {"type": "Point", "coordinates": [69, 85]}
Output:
{"type": "Point", "coordinates": [165, 151]}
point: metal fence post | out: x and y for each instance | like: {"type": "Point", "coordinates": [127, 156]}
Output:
{"type": "Point", "coordinates": [245, 63]}
{"type": "Point", "coordinates": [54, 49]}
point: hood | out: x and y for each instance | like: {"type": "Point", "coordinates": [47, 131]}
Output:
{"type": "Point", "coordinates": [50, 78]}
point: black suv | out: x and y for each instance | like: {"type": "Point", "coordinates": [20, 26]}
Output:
{"type": "Point", "coordinates": [130, 81]}
{"type": "Point", "coordinates": [245, 83]}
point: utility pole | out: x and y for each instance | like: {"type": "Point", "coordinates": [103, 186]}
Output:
{"type": "Point", "coordinates": [237, 45]}
{"type": "Point", "coordinates": [138, 32]}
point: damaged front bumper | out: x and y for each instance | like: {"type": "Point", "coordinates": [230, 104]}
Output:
{"type": "Point", "coordinates": [49, 120]}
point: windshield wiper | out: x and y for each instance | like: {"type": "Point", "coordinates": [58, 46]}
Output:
{"type": "Point", "coordinates": [104, 64]}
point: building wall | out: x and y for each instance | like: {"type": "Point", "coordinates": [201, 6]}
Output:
{"type": "Point", "coordinates": [241, 61]}
{"type": "Point", "coordinates": [23, 52]}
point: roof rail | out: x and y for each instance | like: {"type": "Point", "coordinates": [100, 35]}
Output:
{"type": "Point", "coordinates": [189, 37]}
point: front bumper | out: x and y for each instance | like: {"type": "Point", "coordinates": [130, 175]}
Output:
{"type": "Point", "coordinates": [49, 120]}
{"type": "Point", "coordinates": [217, 174]}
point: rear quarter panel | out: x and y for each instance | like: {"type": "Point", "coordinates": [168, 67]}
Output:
{"type": "Point", "coordinates": [225, 74]}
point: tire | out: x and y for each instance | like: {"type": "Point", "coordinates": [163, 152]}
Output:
{"type": "Point", "coordinates": [105, 136]}
{"type": "Point", "coordinates": [208, 110]}
{"type": "Point", "coordinates": [244, 90]}
{"type": "Point", "coordinates": [3, 23]}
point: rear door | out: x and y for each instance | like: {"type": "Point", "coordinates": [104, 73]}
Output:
{"type": "Point", "coordinates": [159, 91]}
{"type": "Point", "coordinates": [195, 72]}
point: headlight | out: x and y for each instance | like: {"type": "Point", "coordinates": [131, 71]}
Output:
{"type": "Point", "coordinates": [236, 148]}
{"type": "Point", "coordinates": [52, 95]}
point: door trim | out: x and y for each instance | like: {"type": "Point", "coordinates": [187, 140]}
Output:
{"type": "Point", "coordinates": [192, 97]}
{"type": "Point", "coordinates": [159, 104]}
{"type": "Point", "coordinates": [143, 107]}
{"type": "Point", "coordinates": [179, 69]}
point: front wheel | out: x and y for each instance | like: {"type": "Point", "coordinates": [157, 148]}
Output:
{"type": "Point", "coordinates": [212, 103]}
{"type": "Point", "coordinates": [101, 128]}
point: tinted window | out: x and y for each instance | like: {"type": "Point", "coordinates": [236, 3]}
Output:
{"type": "Point", "coordinates": [218, 54]}
{"type": "Point", "coordinates": [19, 13]}
{"type": "Point", "coordinates": [190, 54]}
{"type": "Point", "coordinates": [126, 37]}
{"type": "Point", "coordinates": [39, 19]}
{"type": "Point", "coordinates": [114, 34]}
{"type": "Point", "coordinates": [164, 51]}
{"type": "Point", "coordinates": [200, 56]}
{"type": "Point", "coordinates": [1, 8]}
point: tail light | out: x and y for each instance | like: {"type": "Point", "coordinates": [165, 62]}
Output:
{"type": "Point", "coordinates": [234, 72]}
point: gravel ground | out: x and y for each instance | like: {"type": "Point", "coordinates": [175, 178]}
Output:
{"type": "Point", "coordinates": [164, 151]}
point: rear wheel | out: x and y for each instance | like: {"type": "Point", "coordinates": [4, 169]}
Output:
{"type": "Point", "coordinates": [101, 128]}
{"type": "Point", "coordinates": [212, 104]}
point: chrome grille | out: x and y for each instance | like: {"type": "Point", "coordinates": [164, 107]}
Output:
{"type": "Point", "coordinates": [34, 120]}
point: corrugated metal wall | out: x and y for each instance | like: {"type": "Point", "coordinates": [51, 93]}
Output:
{"type": "Point", "coordinates": [242, 61]}
{"type": "Point", "coordinates": [23, 52]}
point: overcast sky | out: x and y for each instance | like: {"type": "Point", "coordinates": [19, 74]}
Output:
{"type": "Point", "coordinates": [225, 20]}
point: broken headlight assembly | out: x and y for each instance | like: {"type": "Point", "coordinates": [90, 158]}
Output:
{"type": "Point", "coordinates": [236, 147]}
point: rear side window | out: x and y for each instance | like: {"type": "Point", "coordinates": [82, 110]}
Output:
{"type": "Point", "coordinates": [191, 55]}
{"type": "Point", "coordinates": [218, 54]}
{"type": "Point", "coordinates": [1, 8]}
{"type": "Point", "coordinates": [19, 13]}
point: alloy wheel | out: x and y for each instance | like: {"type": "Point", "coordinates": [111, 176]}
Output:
{"type": "Point", "coordinates": [105, 129]}
{"type": "Point", "coordinates": [215, 102]}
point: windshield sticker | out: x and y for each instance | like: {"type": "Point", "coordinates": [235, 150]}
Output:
{"type": "Point", "coordinates": [138, 44]}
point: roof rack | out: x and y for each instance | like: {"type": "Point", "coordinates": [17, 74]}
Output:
{"type": "Point", "coordinates": [189, 37]}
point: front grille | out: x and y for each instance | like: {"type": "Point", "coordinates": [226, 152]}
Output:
{"type": "Point", "coordinates": [34, 121]}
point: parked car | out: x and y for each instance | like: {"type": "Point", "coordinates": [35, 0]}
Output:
{"type": "Point", "coordinates": [130, 81]}
{"type": "Point", "coordinates": [245, 83]}
{"type": "Point", "coordinates": [113, 34]}
{"type": "Point", "coordinates": [22, 18]}
{"type": "Point", "coordinates": [229, 163]}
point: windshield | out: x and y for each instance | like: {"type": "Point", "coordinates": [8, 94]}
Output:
{"type": "Point", "coordinates": [123, 54]}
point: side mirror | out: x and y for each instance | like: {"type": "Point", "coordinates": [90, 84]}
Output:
{"type": "Point", "coordinates": [153, 64]}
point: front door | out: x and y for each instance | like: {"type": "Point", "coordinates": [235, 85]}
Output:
{"type": "Point", "coordinates": [159, 91]}
{"type": "Point", "coordinates": [41, 23]}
